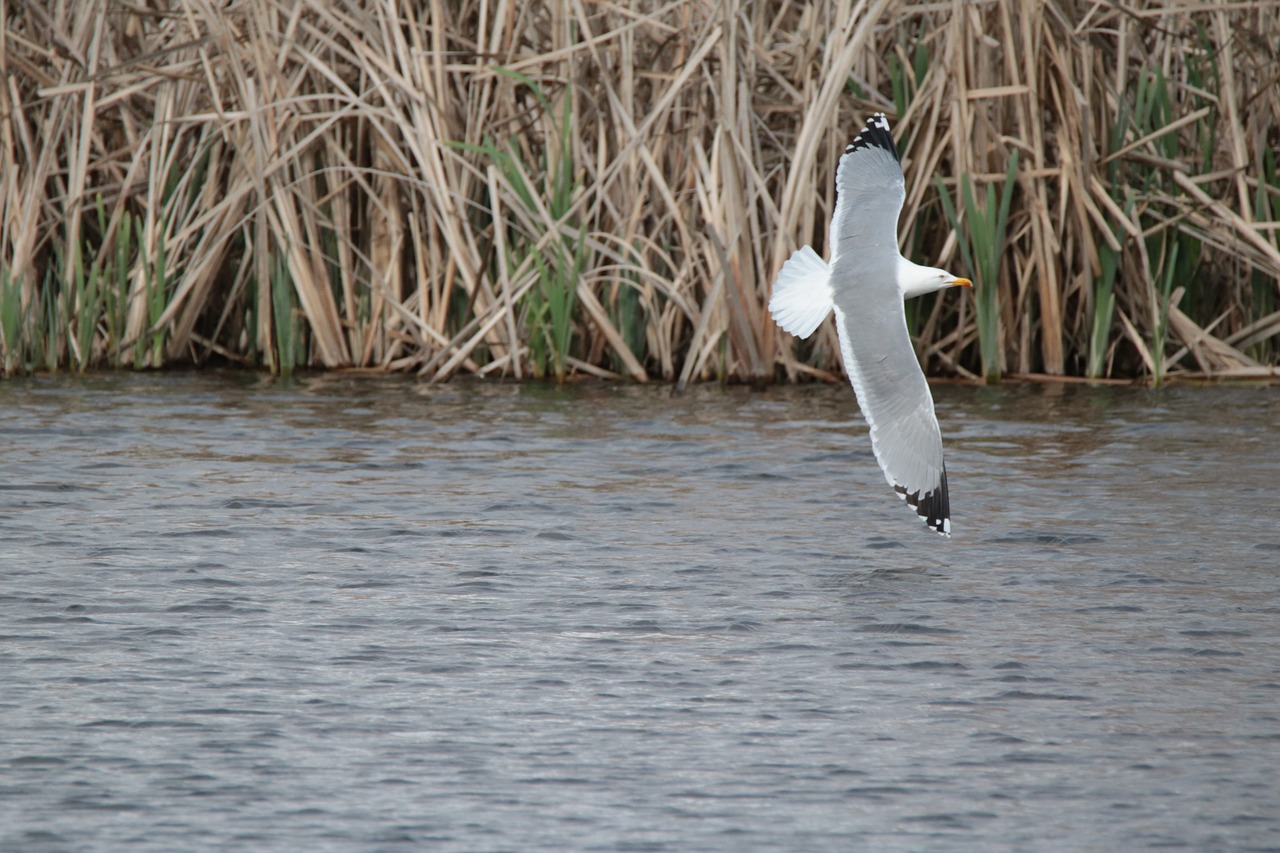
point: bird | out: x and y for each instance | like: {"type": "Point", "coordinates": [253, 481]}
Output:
{"type": "Point", "coordinates": [865, 283]}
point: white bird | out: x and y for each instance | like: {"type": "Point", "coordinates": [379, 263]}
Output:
{"type": "Point", "coordinates": [865, 283]}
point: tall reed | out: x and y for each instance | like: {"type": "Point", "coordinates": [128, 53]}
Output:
{"type": "Point", "coordinates": [982, 245]}
{"type": "Point", "coordinates": [575, 187]}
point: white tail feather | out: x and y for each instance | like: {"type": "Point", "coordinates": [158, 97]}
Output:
{"type": "Point", "coordinates": [802, 296]}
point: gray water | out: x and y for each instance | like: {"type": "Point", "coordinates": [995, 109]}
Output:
{"type": "Point", "coordinates": [365, 614]}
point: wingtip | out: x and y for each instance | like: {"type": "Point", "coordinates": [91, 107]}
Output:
{"type": "Point", "coordinates": [874, 134]}
{"type": "Point", "coordinates": [933, 508]}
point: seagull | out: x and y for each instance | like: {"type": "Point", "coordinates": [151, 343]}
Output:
{"type": "Point", "coordinates": [865, 284]}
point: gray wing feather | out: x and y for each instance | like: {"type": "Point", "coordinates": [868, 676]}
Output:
{"type": "Point", "coordinates": [878, 355]}
{"type": "Point", "coordinates": [869, 196]}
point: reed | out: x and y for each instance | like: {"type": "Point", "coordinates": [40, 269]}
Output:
{"type": "Point", "coordinates": [983, 229]}
{"type": "Point", "coordinates": [13, 337]}
{"type": "Point", "coordinates": [290, 351]}
{"type": "Point", "coordinates": [575, 187]}
{"type": "Point", "coordinates": [547, 200]}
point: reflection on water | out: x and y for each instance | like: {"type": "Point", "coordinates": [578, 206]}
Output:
{"type": "Point", "coordinates": [372, 614]}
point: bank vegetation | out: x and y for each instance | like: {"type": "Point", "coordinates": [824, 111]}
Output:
{"type": "Point", "coordinates": [588, 187]}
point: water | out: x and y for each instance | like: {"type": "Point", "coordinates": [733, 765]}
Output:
{"type": "Point", "coordinates": [360, 614]}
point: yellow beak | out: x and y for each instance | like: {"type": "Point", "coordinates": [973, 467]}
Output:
{"type": "Point", "coordinates": [962, 282]}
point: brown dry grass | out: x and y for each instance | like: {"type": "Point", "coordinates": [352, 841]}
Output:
{"type": "Point", "coordinates": [488, 186]}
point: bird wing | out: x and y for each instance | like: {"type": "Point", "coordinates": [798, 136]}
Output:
{"type": "Point", "coordinates": [878, 355]}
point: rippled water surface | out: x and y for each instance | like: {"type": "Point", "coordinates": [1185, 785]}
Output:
{"type": "Point", "coordinates": [359, 614]}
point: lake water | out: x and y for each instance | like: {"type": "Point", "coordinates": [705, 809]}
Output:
{"type": "Point", "coordinates": [370, 614]}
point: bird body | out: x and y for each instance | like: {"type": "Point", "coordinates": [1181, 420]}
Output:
{"type": "Point", "coordinates": [864, 283]}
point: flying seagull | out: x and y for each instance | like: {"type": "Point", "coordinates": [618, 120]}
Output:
{"type": "Point", "coordinates": [865, 283]}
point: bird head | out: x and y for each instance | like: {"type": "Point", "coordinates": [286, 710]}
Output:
{"type": "Point", "coordinates": [916, 280]}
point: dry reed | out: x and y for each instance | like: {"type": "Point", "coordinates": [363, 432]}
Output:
{"type": "Point", "coordinates": [593, 187]}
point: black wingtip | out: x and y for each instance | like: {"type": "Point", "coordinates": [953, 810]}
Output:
{"type": "Point", "coordinates": [934, 507]}
{"type": "Point", "coordinates": [875, 134]}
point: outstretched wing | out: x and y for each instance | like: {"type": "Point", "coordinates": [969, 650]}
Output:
{"type": "Point", "coordinates": [878, 355]}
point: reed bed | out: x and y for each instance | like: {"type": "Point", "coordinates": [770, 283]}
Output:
{"type": "Point", "coordinates": [590, 187]}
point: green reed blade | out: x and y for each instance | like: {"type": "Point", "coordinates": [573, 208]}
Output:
{"type": "Point", "coordinates": [982, 240]}
{"type": "Point", "coordinates": [1104, 305]}
{"type": "Point", "coordinates": [12, 339]}
{"type": "Point", "coordinates": [290, 352]}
